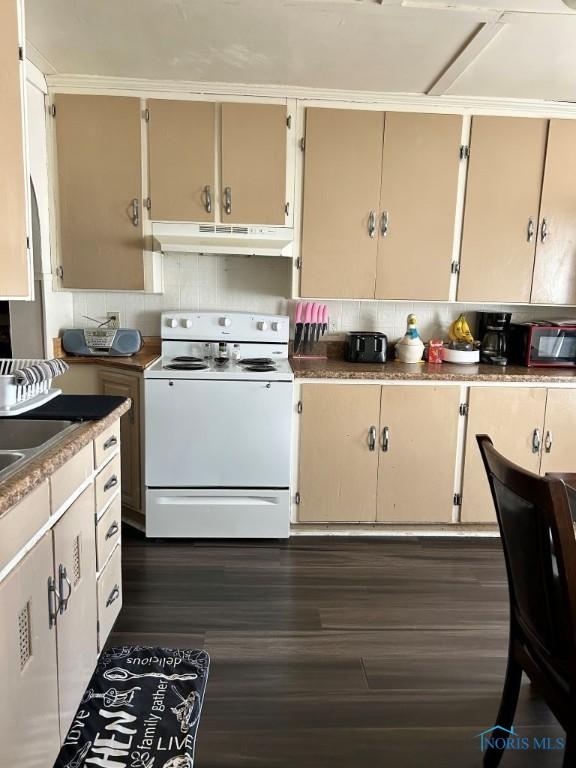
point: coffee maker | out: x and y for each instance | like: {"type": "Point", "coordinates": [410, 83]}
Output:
{"type": "Point", "coordinates": [493, 329]}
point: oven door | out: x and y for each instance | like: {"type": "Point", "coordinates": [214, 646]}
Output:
{"type": "Point", "coordinates": [217, 434]}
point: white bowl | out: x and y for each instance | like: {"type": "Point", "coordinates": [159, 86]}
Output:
{"type": "Point", "coordinates": [462, 356]}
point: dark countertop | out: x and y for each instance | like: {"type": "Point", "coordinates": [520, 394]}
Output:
{"type": "Point", "coordinates": [334, 368]}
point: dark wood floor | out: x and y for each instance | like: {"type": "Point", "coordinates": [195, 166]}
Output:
{"type": "Point", "coordinates": [336, 652]}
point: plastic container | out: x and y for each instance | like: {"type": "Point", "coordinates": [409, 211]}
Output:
{"type": "Point", "coordinates": [461, 356]}
{"type": "Point", "coordinates": [19, 398]}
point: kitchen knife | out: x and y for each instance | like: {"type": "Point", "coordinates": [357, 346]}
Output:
{"type": "Point", "coordinates": [313, 324]}
{"type": "Point", "coordinates": [324, 319]}
{"type": "Point", "coordinates": [307, 320]}
{"type": "Point", "coordinates": [320, 321]}
{"type": "Point", "coordinates": [299, 327]}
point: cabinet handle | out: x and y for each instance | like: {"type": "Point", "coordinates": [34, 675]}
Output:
{"type": "Point", "coordinates": [63, 579]}
{"type": "Point", "coordinates": [112, 531]}
{"type": "Point", "coordinates": [228, 200]}
{"type": "Point", "coordinates": [385, 439]}
{"type": "Point", "coordinates": [544, 231]}
{"type": "Point", "coordinates": [53, 601]}
{"type": "Point", "coordinates": [208, 198]}
{"type": "Point", "coordinates": [110, 483]}
{"type": "Point", "coordinates": [536, 441]}
{"type": "Point", "coordinates": [372, 438]}
{"type": "Point", "coordinates": [548, 441]}
{"type": "Point", "coordinates": [384, 223]}
{"type": "Point", "coordinates": [530, 230]}
{"type": "Point", "coordinates": [110, 442]}
{"type": "Point", "coordinates": [113, 596]}
{"type": "Point", "coordinates": [372, 224]}
{"type": "Point", "coordinates": [135, 212]}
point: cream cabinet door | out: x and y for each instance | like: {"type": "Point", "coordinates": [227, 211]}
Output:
{"type": "Point", "coordinates": [417, 453]}
{"type": "Point", "coordinates": [181, 151]}
{"type": "Point", "coordinates": [254, 138]}
{"type": "Point", "coordinates": [501, 210]}
{"type": "Point", "coordinates": [338, 453]}
{"type": "Point", "coordinates": [559, 439]}
{"type": "Point", "coordinates": [14, 259]}
{"type": "Point", "coordinates": [555, 267]}
{"type": "Point", "coordinates": [99, 161]}
{"type": "Point", "coordinates": [29, 731]}
{"type": "Point", "coordinates": [75, 571]}
{"type": "Point", "coordinates": [420, 165]}
{"type": "Point", "coordinates": [342, 170]}
{"type": "Point", "coordinates": [513, 418]}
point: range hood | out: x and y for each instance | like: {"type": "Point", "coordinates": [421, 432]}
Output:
{"type": "Point", "coordinates": [231, 240]}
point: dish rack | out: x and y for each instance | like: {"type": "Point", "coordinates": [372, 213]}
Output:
{"type": "Point", "coordinates": [19, 398]}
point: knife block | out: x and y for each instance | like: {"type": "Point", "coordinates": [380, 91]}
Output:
{"type": "Point", "coordinates": [317, 351]}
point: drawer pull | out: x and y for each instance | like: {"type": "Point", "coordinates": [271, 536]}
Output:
{"type": "Point", "coordinates": [110, 442]}
{"type": "Point", "coordinates": [112, 531]}
{"type": "Point", "coordinates": [110, 483]}
{"type": "Point", "coordinates": [372, 438]}
{"type": "Point", "coordinates": [385, 445]}
{"type": "Point", "coordinates": [113, 596]}
{"type": "Point", "coordinates": [63, 579]}
{"type": "Point", "coordinates": [536, 441]}
{"type": "Point", "coordinates": [53, 601]}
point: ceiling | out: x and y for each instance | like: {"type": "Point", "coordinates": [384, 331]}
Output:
{"type": "Point", "coordinates": [497, 48]}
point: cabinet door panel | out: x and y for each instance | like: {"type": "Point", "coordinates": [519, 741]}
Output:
{"type": "Point", "coordinates": [559, 441]}
{"type": "Point", "coordinates": [14, 275]}
{"type": "Point", "coordinates": [29, 732]}
{"type": "Point", "coordinates": [509, 416]}
{"type": "Point", "coordinates": [502, 194]}
{"type": "Point", "coordinates": [416, 472]}
{"type": "Point", "coordinates": [342, 169]}
{"type": "Point", "coordinates": [420, 166]}
{"type": "Point", "coordinates": [75, 549]}
{"type": "Point", "coordinates": [182, 159]}
{"type": "Point", "coordinates": [254, 162]}
{"type": "Point", "coordinates": [127, 386]}
{"type": "Point", "coordinates": [99, 176]}
{"type": "Point", "coordinates": [555, 267]}
{"type": "Point", "coordinates": [338, 471]}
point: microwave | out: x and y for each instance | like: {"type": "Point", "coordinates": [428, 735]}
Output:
{"type": "Point", "coordinates": [543, 344]}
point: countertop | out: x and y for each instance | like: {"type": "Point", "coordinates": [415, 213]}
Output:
{"type": "Point", "coordinates": [335, 368]}
{"type": "Point", "coordinates": [33, 473]}
{"type": "Point", "coordinates": [149, 353]}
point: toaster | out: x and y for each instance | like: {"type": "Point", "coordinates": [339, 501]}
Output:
{"type": "Point", "coordinates": [366, 347]}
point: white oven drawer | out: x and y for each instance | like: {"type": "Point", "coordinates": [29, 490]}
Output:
{"type": "Point", "coordinates": [226, 434]}
{"type": "Point", "coordinates": [228, 514]}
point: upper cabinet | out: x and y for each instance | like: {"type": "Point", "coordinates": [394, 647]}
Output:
{"type": "Point", "coordinates": [555, 267]}
{"type": "Point", "coordinates": [182, 168]}
{"type": "Point", "coordinates": [15, 267]}
{"type": "Point", "coordinates": [379, 207]}
{"type": "Point", "coordinates": [501, 211]}
{"type": "Point", "coordinates": [99, 163]}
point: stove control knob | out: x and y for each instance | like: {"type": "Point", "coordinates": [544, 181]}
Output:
{"type": "Point", "coordinates": [262, 325]}
{"type": "Point", "coordinates": [171, 322]}
{"type": "Point", "coordinates": [226, 322]}
{"type": "Point", "coordinates": [276, 326]}
{"type": "Point", "coordinates": [187, 323]}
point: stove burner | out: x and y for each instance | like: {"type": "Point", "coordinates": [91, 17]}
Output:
{"type": "Point", "coordinates": [186, 366]}
{"type": "Point", "coordinates": [221, 361]}
{"type": "Point", "coordinates": [262, 368]}
{"type": "Point", "coordinates": [256, 361]}
{"type": "Point", "coordinates": [186, 359]}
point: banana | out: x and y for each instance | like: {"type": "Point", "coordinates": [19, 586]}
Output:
{"type": "Point", "coordinates": [460, 330]}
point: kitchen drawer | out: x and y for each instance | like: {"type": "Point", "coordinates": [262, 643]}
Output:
{"type": "Point", "coordinates": [22, 522]}
{"type": "Point", "coordinates": [106, 443]}
{"type": "Point", "coordinates": [107, 483]}
{"type": "Point", "coordinates": [70, 477]}
{"type": "Point", "coordinates": [108, 532]}
{"type": "Point", "coordinates": [109, 596]}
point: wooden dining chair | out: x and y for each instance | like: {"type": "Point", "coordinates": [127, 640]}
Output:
{"type": "Point", "coordinates": [540, 553]}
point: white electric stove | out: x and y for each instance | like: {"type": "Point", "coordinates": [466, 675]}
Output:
{"type": "Point", "coordinates": [218, 413]}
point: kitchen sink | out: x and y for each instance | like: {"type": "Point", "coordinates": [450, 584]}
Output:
{"type": "Point", "coordinates": [23, 439]}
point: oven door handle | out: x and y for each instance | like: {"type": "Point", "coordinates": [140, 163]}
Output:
{"type": "Point", "coordinates": [221, 501]}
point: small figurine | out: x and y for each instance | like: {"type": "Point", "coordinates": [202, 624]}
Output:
{"type": "Point", "coordinates": [410, 348]}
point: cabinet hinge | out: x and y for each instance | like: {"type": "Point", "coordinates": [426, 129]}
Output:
{"type": "Point", "coordinates": [464, 152]}
{"type": "Point", "coordinates": [298, 263]}
{"type": "Point", "coordinates": [21, 53]}
{"type": "Point", "coordinates": [146, 115]}
{"type": "Point", "coordinates": [59, 272]}
{"type": "Point", "coordinates": [52, 110]}
{"type": "Point", "coordinates": [147, 203]}
{"type": "Point", "coordinates": [297, 497]}
{"type": "Point", "coordinates": [457, 500]}
{"type": "Point", "coordinates": [289, 121]}
{"type": "Point", "coordinates": [455, 267]}
{"type": "Point", "coordinates": [27, 243]}
{"type": "Point", "coordinates": [302, 143]}
{"type": "Point", "coordinates": [287, 209]}
{"type": "Point", "coordinates": [464, 409]}
{"type": "Point", "coordinates": [299, 407]}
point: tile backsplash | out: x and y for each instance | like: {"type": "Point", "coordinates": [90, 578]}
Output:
{"type": "Point", "coordinates": [262, 284]}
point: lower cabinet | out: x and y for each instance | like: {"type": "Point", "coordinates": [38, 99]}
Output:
{"type": "Point", "coordinates": [29, 727]}
{"type": "Point", "coordinates": [371, 453]}
{"type": "Point", "coordinates": [558, 447]}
